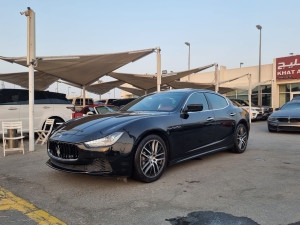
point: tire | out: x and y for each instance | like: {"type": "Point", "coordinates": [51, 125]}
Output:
{"type": "Point", "coordinates": [240, 139]}
{"type": "Point", "coordinates": [150, 159]}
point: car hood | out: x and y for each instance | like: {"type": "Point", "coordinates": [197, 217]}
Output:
{"type": "Point", "coordinates": [97, 126]}
{"type": "Point", "coordinates": [287, 113]}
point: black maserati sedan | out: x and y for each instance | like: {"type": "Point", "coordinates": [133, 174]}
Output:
{"type": "Point", "coordinates": [148, 134]}
{"type": "Point", "coordinates": [287, 118]}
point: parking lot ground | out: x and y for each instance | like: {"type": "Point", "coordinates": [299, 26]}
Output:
{"type": "Point", "coordinates": [14, 210]}
{"type": "Point", "coordinates": [260, 186]}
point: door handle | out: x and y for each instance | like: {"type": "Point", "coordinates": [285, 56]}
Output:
{"type": "Point", "coordinates": [210, 119]}
{"type": "Point", "coordinates": [12, 108]}
{"type": "Point", "coordinates": [232, 114]}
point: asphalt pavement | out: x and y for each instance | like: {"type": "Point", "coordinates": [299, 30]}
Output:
{"type": "Point", "coordinates": [260, 186]}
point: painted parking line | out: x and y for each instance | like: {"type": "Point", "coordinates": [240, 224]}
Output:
{"type": "Point", "coordinates": [8, 201]}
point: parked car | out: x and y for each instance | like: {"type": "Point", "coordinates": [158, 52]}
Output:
{"type": "Point", "coordinates": [48, 105]}
{"type": "Point", "coordinates": [296, 99]}
{"type": "Point", "coordinates": [78, 103]}
{"type": "Point", "coordinates": [148, 134]}
{"type": "Point", "coordinates": [287, 118]}
{"type": "Point", "coordinates": [105, 101]}
{"type": "Point", "coordinates": [122, 102]}
{"type": "Point", "coordinates": [258, 113]}
{"type": "Point", "coordinates": [95, 109]}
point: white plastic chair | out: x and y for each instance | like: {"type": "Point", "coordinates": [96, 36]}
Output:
{"type": "Point", "coordinates": [45, 132]}
{"type": "Point", "coordinates": [17, 126]}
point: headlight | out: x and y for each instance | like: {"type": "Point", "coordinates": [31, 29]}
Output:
{"type": "Point", "coordinates": [104, 142]}
{"type": "Point", "coordinates": [272, 118]}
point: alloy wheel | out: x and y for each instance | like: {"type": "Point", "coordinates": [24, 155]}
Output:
{"type": "Point", "coordinates": [152, 158]}
{"type": "Point", "coordinates": [242, 138]}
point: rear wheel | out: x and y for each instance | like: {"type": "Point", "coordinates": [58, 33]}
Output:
{"type": "Point", "coordinates": [150, 159]}
{"type": "Point", "coordinates": [240, 139]}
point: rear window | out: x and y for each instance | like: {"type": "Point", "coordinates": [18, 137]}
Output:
{"type": "Point", "coordinates": [216, 101]}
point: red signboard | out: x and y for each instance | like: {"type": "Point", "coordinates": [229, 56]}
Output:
{"type": "Point", "coordinates": [288, 67]}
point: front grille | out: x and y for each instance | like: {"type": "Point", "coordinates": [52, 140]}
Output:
{"type": "Point", "coordinates": [283, 119]}
{"type": "Point", "coordinates": [295, 120]}
{"type": "Point", "coordinates": [289, 128]}
{"type": "Point", "coordinates": [63, 150]}
{"type": "Point", "coordinates": [98, 165]}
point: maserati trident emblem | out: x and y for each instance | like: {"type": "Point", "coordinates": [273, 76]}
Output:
{"type": "Point", "coordinates": [58, 150]}
{"type": "Point", "coordinates": [289, 121]}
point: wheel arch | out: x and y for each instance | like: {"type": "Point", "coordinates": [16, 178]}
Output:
{"type": "Point", "coordinates": [158, 132]}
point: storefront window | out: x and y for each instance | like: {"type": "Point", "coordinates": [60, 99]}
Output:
{"type": "Point", "coordinates": [284, 88]}
{"type": "Point", "coordinates": [295, 87]}
{"type": "Point", "coordinates": [283, 98]}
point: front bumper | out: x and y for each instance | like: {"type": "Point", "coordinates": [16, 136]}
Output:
{"type": "Point", "coordinates": [283, 126]}
{"type": "Point", "coordinates": [115, 160]}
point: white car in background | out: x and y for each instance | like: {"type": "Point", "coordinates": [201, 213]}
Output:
{"type": "Point", "coordinates": [48, 105]}
{"type": "Point", "coordinates": [256, 112]}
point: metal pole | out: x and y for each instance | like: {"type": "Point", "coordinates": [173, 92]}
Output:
{"type": "Point", "coordinates": [216, 78]}
{"type": "Point", "coordinates": [29, 13]}
{"type": "Point", "coordinates": [83, 93]}
{"type": "Point", "coordinates": [250, 96]}
{"type": "Point", "coordinates": [259, 67]}
{"type": "Point", "coordinates": [158, 68]}
{"type": "Point", "coordinates": [189, 58]}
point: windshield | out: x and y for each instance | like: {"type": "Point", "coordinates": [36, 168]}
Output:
{"type": "Point", "coordinates": [105, 109]}
{"type": "Point", "coordinates": [163, 101]}
{"type": "Point", "coordinates": [292, 106]}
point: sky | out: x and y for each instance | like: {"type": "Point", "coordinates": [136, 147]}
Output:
{"type": "Point", "coordinates": [218, 31]}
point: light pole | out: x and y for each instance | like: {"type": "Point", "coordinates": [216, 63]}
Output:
{"type": "Point", "coordinates": [31, 62]}
{"type": "Point", "coordinates": [241, 63]}
{"type": "Point", "coordinates": [189, 57]}
{"type": "Point", "coordinates": [259, 27]}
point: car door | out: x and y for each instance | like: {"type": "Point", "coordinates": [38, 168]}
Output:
{"type": "Point", "coordinates": [9, 105]}
{"type": "Point", "coordinates": [224, 116]}
{"type": "Point", "coordinates": [197, 127]}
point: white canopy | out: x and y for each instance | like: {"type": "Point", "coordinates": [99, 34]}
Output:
{"type": "Point", "coordinates": [147, 82]}
{"type": "Point", "coordinates": [41, 80]}
{"type": "Point", "coordinates": [104, 87]}
{"type": "Point", "coordinates": [82, 70]}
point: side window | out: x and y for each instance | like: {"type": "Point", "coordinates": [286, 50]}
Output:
{"type": "Point", "coordinates": [216, 101]}
{"type": "Point", "coordinates": [9, 97]}
{"type": "Point", "coordinates": [41, 98]}
{"type": "Point", "coordinates": [198, 98]}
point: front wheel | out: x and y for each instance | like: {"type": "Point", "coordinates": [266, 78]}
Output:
{"type": "Point", "coordinates": [150, 159]}
{"type": "Point", "coordinates": [240, 139]}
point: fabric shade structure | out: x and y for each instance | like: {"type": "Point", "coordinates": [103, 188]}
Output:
{"type": "Point", "coordinates": [135, 91]}
{"type": "Point", "coordinates": [82, 69]}
{"type": "Point", "coordinates": [104, 87]}
{"type": "Point", "coordinates": [147, 82]}
{"type": "Point", "coordinates": [181, 84]}
{"type": "Point", "coordinates": [41, 81]}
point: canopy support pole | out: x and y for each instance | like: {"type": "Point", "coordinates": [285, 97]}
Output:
{"type": "Point", "coordinates": [158, 69]}
{"type": "Point", "coordinates": [83, 95]}
{"type": "Point", "coordinates": [250, 96]}
{"type": "Point", "coordinates": [216, 78]}
{"type": "Point", "coordinates": [31, 60]}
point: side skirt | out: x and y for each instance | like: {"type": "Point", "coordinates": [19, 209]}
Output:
{"type": "Point", "coordinates": [198, 155]}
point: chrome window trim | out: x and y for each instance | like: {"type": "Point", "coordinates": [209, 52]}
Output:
{"type": "Point", "coordinates": [206, 100]}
